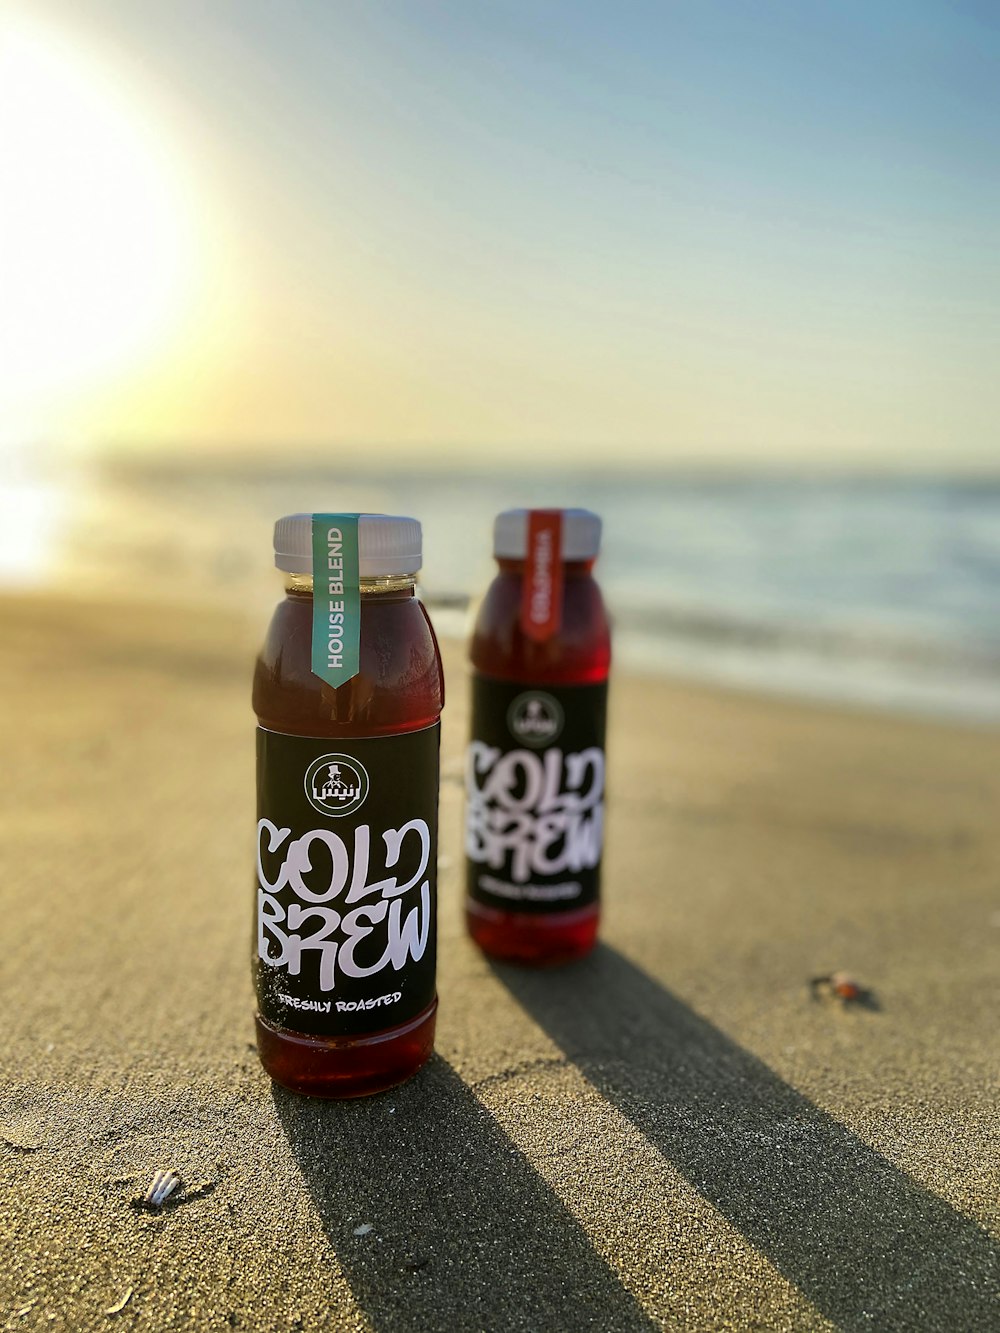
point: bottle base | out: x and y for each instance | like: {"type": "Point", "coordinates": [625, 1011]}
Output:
{"type": "Point", "coordinates": [344, 1067]}
{"type": "Point", "coordinates": [535, 941]}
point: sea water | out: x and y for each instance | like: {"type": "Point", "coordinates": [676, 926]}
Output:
{"type": "Point", "coordinates": [878, 591]}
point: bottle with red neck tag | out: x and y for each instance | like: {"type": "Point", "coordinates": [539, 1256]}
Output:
{"type": "Point", "coordinates": [534, 818]}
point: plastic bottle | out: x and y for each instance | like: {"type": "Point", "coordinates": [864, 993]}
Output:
{"type": "Point", "coordinates": [540, 654]}
{"type": "Point", "coordinates": [348, 692]}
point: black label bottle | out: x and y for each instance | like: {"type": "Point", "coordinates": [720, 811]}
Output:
{"type": "Point", "coordinates": [348, 692]}
{"type": "Point", "coordinates": [534, 819]}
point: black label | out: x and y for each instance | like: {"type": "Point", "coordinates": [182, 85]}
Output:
{"type": "Point", "coordinates": [534, 781]}
{"type": "Point", "coordinates": [346, 880]}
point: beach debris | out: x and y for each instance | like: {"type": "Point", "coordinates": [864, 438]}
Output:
{"type": "Point", "coordinates": [160, 1188]}
{"type": "Point", "coordinates": [163, 1192]}
{"type": "Point", "coordinates": [117, 1309]}
{"type": "Point", "coordinates": [363, 1229]}
{"type": "Point", "coordinates": [844, 987]}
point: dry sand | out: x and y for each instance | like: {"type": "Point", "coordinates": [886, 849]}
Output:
{"type": "Point", "coordinates": [670, 1134]}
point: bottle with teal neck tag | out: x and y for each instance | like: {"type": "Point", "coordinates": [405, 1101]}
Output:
{"type": "Point", "coordinates": [348, 692]}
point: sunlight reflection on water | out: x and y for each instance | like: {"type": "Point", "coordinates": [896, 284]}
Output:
{"type": "Point", "coordinates": [880, 593]}
{"type": "Point", "coordinates": [32, 513]}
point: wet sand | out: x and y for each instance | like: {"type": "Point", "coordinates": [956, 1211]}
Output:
{"type": "Point", "coordinates": [672, 1134]}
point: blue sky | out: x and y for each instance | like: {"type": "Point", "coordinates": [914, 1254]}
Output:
{"type": "Point", "coordinates": [694, 230]}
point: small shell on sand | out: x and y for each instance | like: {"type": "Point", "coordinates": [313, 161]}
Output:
{"type": "Point", "coordinates": [161, 1187]}
{"type": "Point", "coordinates": [117, 1309]}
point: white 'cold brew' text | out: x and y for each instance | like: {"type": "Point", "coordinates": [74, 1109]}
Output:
{"type": "Point", "coordinates": [545, 812]}
{"type": "Point", "coordinates": [355, 941]}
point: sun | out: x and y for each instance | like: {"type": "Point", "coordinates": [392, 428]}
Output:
{"type": "Point", "coordinates": [97, 242]}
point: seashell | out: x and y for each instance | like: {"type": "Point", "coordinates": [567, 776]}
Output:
{"type": "Point", "coordinates": [161, 1187]}
{"type": "Point", "coordinates": [117, 1309]}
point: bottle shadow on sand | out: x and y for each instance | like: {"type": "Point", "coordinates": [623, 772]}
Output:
{"type": "Point", "coordinates": [465, 1234]}
{"type": "Point", "coordinates": [866, 1244]}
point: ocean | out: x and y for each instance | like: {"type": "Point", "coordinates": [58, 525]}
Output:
{"type": "Point", "coordinates": [875, 591]}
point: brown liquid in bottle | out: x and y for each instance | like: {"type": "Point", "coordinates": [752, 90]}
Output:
{"type": "Point", "coordinates": [399, 689]}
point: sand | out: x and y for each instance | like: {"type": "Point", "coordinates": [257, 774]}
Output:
{"type": "Point", "coordinates": [671, 1134]}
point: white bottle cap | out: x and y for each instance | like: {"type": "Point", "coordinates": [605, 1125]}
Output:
{"type": "Point", "coordinates": [581, 534]}
{"type": "Point", "coordinates": [387, 544]}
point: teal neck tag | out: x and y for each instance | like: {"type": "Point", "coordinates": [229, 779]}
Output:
{"type": "Point", "coordinates": [336, 635]}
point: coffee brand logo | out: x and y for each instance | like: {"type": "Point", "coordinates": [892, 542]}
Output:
{"type": "Point", "coordinates": [336, 784]}
{"type": "Point", "coordinates": [536, 719]}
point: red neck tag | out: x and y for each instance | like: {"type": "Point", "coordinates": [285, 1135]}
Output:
{"type": "Point", "coordinates": [541, 598]}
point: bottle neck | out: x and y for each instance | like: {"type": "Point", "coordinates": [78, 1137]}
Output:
{"type": "Point", "coordinates": [301, 585]}
{"type": "Point", "coordinates": [571, 568]}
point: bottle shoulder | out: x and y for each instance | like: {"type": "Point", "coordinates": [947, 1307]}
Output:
{"type": "Point", "coordinates": [579, 652]}
{"type": "Point", "coordinates": [399, 685]}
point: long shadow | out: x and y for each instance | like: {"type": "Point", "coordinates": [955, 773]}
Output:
{"type": "Point", "coordinates": [465, 1233]}
{"type": "Point", "coordinates": [866, 1244]}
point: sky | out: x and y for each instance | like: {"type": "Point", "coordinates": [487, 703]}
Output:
{"type": "Point", "coordinates": [621, 232]}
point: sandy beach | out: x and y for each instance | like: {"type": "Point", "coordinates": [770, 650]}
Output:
{"type": "Point", "coordinates": [672, 1134]}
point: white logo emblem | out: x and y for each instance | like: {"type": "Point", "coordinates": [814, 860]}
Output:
{"type": "Point", "coordinates": [535, 718]}
{"type": "Point", "coordinates": [336, 784]}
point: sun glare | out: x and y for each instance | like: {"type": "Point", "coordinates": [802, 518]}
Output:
{"type": "Point", "coordinates": [97, 251]}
